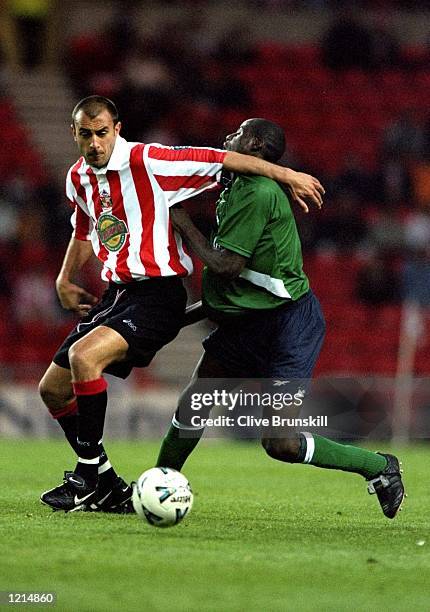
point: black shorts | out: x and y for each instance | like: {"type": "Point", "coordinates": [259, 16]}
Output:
{"type": "Point", "coordinates": [148, 314]}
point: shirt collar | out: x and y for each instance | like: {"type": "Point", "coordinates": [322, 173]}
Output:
{"type": "Point", "coordinates": [119, 158]}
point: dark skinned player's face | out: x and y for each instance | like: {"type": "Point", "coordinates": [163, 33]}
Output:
{"type": "Point", "coordinates": [95, 137]}
{"type": "Point", "coordinates": [241, 140]}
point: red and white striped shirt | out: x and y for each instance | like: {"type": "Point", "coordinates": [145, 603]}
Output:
{"type": "Point", "coordinates": [123, 208]}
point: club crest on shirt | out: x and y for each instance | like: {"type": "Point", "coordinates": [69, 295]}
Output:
{"type": "Point", "coordinates": [105, 200]}
{"type": "Point", "coordinates": [111, 232]}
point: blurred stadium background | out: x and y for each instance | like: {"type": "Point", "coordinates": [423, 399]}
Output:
{"type": "Point", "coordinates": [349, 82]}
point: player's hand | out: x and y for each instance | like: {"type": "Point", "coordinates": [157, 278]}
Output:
{"type": "Point", "coordinates": [75, 298]}
{"type": "Point", "coordinates": [305, 187]}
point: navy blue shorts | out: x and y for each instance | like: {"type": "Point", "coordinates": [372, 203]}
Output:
{"type": "Point", "coordinates": [281, 343]}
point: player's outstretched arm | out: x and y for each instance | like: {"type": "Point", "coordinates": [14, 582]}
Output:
{"type": "Point", "coordinates": [71, 296]}
{"type": "Point", "coordinates": [221, 261]}
{"type": "Point", "coordinates": [303, 186]}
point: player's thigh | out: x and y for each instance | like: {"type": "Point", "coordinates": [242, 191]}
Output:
{"type": "Point", "coordinates": [101, 346]}
{"type": "Point", "coordinates": [210, 367]}
{"type": "Point", "coordinates": [209, 376]}
{"type": "Point", "coordinates": [195, 384]}
{"type": "Point", "coordinates": [56, 383]}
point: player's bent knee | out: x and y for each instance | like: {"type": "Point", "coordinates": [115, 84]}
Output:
{"type": "Point", "coordinates": [51, 394]}
{"type": "Point", "coordinates": [59, 401]}
{"type": "Point", "coordinates": [92, 353]}
{"type": "Point", "coordinates": [281, 449]}
{"type": "Point", "coordinates": [80, 357]}
{"type": "Point", "coordinates": [47, 394]}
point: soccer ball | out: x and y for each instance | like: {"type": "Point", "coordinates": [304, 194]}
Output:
{"type": "Point", "coordinates": [162, 496]}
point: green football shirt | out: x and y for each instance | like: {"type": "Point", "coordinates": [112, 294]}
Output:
{"type": "Point", "coordinates": [255, 220]}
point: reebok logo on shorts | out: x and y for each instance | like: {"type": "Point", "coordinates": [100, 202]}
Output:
{"type": "Point", "coordinates": [130, 324]}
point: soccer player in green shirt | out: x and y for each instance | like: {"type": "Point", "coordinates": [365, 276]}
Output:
{"type": "Point", "coordinates": [270, 324]}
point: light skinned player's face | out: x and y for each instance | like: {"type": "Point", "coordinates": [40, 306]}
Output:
{"type": "Point", "coordinates": [95, 137]}
{"type": "Point", "coordinates": [240, 140]}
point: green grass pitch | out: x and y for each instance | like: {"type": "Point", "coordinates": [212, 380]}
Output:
{"type": "Point", "coordinates": [262, 536]}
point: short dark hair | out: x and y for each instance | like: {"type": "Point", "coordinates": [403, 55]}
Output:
{"type": "Point", "coordinates": [94, 105]}
{"type": "Point", "coordinates": [271, 135]}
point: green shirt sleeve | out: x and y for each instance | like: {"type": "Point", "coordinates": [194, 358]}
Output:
{"type": "Point", "coordinates": [246, 214]}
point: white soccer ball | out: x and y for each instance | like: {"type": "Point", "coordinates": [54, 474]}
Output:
{"type": "Point", "coordinates": [162, 496]}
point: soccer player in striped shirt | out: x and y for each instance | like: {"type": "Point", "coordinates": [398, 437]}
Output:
{"type": "Point", "coordinates": [121, 193]}
{"type": "Point", "coordinates": [270, 324]}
